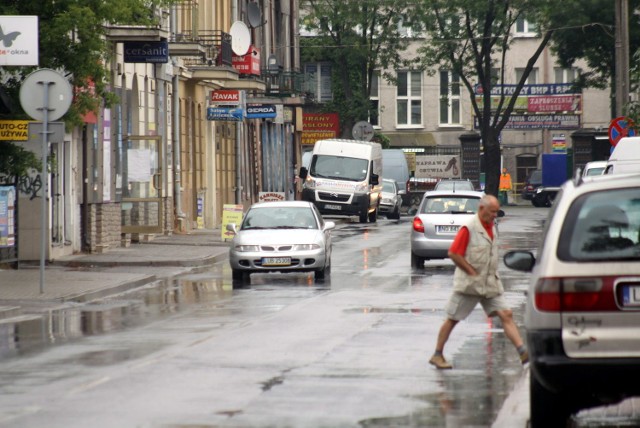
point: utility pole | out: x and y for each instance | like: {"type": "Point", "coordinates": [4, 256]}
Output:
{"type": "Point", "coordinates": [622, 55]}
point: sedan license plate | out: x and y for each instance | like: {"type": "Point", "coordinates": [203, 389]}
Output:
{"type": "Point", "coordinates": [332, 207]}
{"type": "Point", "coordinates": [447, 229]}
{"type": "Point", "coordinates": [276, 261]}
{"type": "Point", "coordinates": [631, 295]}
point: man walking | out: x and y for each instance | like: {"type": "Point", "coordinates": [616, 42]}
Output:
{"type": "Point", "coordinates": [475, 253]}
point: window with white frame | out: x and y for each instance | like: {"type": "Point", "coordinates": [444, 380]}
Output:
{"type": "Point", "coordinates": [532, 79]}
{"type": "Point", "coordinates": [409, 98]}
{"type": "Point", "coordinates": [317, 77]}
{"type": "Point", "coordinates": [374, 98]}
{"type": "Point", "coordinates": [566, 75]}
{"type": "Point", "coordinates": [525, 28]}
{"type": "Point", "coordinates": [449, 98]}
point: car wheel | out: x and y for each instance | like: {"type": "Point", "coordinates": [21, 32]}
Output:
{"type": "Point", "coordinates": [417, 262]}
{"type": "Point", "coordinates": [240, 277]}
{"type": "Point", "coordinates": [321, 274]}
{"type": "Point", "coordinates": [396, 215]}
{"type": "Point", "coordinates": [373, 216]}
{"type": "Point", "coordinates": [363, 217]}
{"type": "Point", "coordinates": [548, 409]}
{"type": "Point", "coordinates": [535, 202]}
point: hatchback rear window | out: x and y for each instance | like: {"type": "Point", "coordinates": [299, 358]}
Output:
{"type": "Point", "coordinates": [602, 226]}
{"type": "Point", "coordinates": [447, 204]}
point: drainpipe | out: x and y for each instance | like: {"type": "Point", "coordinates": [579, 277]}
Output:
{"type": "Point", "coordinates": [175, 101]}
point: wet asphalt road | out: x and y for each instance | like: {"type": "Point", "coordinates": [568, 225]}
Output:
{"type": "Point", "coordinates": [282, 351]}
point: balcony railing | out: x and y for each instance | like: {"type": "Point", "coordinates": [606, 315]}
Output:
{"type": "Point", "coordinates": [217, 48]}
{"type": "Point", "coordinates": [283, 83]}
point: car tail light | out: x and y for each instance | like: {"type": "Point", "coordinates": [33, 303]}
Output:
{"type": "Point", "coordinates": [418, 226]}
{"type": "Point", "coordinates": [575, 295]}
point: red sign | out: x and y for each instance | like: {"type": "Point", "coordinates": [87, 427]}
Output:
{"type": "Point", "coordinates": [249, 63]}
{"type": "Point", "coordinates": [554, 103]}
{"type": "Point", "coordinates": [319, 126]}
{"type": "Point", "coordinates": [620, 127]}
{"type": "Point", "coordinates": [225, 97]}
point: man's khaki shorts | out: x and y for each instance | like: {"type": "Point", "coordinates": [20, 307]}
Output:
{"type": "Point", "coordinates": [460, 305]}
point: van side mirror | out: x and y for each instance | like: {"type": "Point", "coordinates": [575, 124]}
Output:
{"type": "Point", "coordinates": [303, 172]}
{"type": "Point", "coordinates": [375, 179]}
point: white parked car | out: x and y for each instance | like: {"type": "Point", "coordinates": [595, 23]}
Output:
{"type": "Point", "coordinates": [583, 304]}
{"type": "Point", "coordinates": [391, 200]}
{"type": "Point", "coordinates": [282, 236]}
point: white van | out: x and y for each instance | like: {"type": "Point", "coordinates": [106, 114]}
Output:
{"type": "Point", "coordinates": [625, 158]}
{"type": "Point", "coordinates": [344, 178]}
{"type": "Point", "coordinates": [396, 168]}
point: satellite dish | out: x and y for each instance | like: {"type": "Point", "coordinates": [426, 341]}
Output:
{"type": "Point", "coordinates": [254, 14]}
{"type": "Point", "coordinates": [363, 131]}
{"type": "Point", "coordinates": [240, 38]}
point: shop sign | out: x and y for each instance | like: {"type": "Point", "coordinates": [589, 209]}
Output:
{"type": "Point", "coordinates": [14, 130]}
{"type": "Point", "coordinates": [146, 52]}
{"type": "Point", "coordinates": [225, 97]}
{"type": "Point", "coordinates": [247, 64]}
{"type": "Point", "coordinates": [18, 40]}
{"type": "Point", "coordinates": [228, 114]}
{"type": "Point", "coordinates": [261, 111]}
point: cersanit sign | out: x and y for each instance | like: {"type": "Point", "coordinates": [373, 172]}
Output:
{"type": "Point", "coordinates": [153, 52]}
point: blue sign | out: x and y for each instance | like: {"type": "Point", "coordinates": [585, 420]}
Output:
{"type": "Point", "coordinates": [153, 52]}
{"type": "Point", "coordinates": [233, 114]}
{"type": "Point", "coordinates": [261, 111]}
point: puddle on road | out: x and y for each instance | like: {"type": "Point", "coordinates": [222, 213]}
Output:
{"type": "Point", "coordinates": [40, 327]}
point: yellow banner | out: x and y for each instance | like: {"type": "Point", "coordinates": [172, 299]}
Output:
{"type": "Point", "coordinates": [14, 130]}
{"type": "Point", "coordinates": [230, 214]}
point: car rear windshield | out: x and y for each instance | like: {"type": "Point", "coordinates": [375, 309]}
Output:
{"type": "Point", "coordinates": [602, 226]}
{"type": "Point", "coordinates": [448, 204]}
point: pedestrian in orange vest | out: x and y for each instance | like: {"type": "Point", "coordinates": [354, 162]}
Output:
{"type": "Point", "coordinates": [505, 186]}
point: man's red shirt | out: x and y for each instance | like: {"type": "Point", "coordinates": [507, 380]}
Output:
{"type": "Point", "coordinates": [460, 242]}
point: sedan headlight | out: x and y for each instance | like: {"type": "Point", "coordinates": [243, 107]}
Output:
{"type": "Point", "coordinates": [247, 248]}
{"type": "Point", "coordinates": [387, 201]}
{"type": "Point", "coordinates": [305, 247]}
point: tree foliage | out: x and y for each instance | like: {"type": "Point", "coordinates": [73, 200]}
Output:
{"type": "Point", "coordinates": [72, 41]}
{"type": "Point", "coordinates": [585, 30]}
{"type": "Point", "coordinates": [472, 39]}
{"type": "Point", "coordinates": [357, 37]}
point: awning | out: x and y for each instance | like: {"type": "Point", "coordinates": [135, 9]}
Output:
{"type": "Point", "coordinates": [411, 139]}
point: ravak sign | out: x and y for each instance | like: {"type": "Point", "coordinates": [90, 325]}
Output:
{"type": "Point", "coordinates": [149, 52]}
{"type": "Point", "coordinates": [261, 111]}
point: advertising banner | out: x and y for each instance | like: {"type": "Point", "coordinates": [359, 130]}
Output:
{"type": "Point", "coordinates": [438, 167]}
{"type": "Point", "coordinates": [18, 40]}
{"type": "Point", "coordinates": [7, 213]}
{"type": "Point", "coordinates": [146, 52]}
{"type": "Point", "coordinates": [230, 214]}
{"type": "Point", "coordinates": [319, 126]}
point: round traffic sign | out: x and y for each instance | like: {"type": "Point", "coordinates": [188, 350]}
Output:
{"type": "Point", "coordinates": [620, 127]}
{"type": "Point", "coordinates": [32, 94]}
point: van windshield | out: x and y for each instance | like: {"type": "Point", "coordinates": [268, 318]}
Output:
{"type": "Point", "coordinates": [339, 168]}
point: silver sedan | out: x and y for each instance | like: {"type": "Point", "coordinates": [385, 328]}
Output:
{"type": "Point", "coordinates": [440, 215]}
{"type": "Point", "coordinates": [281, 236]}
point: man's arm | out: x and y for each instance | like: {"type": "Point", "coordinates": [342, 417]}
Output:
{"type": "Point", "coordinates": [458, 249]}
{"type": "Point", "coordinates": [462, 263]}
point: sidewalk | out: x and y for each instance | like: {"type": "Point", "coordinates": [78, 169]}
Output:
{"type": "Point", "coordinates": [84, 277]}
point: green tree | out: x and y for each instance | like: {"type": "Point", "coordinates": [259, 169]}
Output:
{"type": "Point", "coordinates": [357, 37]}
{"type": "Point", "coordinates": [72, 40]}
{"type": "Point", "coordinates": [586, 31]}
{"type": "Point", "coordinates": [472, 39]}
